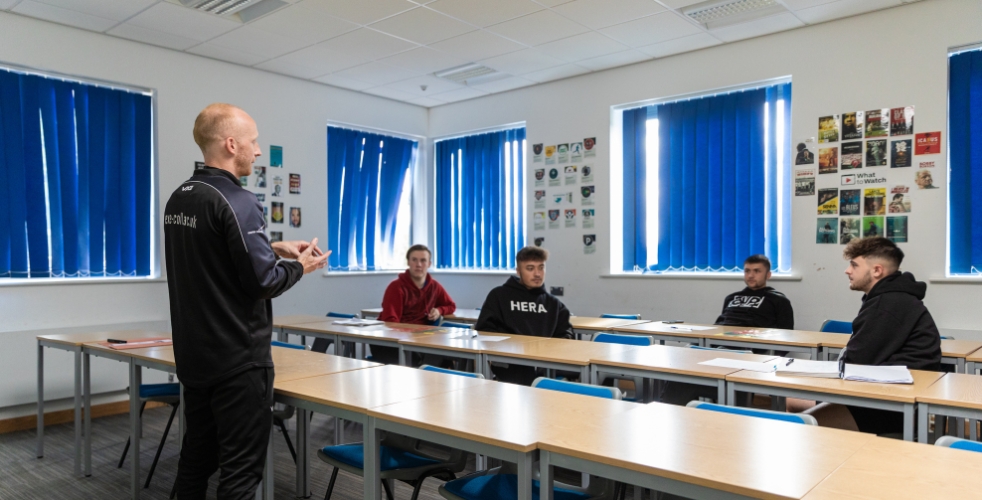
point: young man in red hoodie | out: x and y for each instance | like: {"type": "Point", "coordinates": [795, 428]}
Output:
{"type": "Point", "coordinates": [414, 297]}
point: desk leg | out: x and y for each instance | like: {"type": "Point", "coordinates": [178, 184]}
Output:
{"type": "Point", "coordinates": [960, 365]}
{"type": "Point", "coordinates": [303, 465]}
{"type": "Point", "coordinates": [721, 392]}
{"type": "Point", "coordinates": [78, 411]}
{"type": "Point", "coordinates": [585, 376]}
{"type": "Point", "coordinates": [731, 394]}
{"type": "Point", "coordinates": [814, 354]}
{"type": "Point", "coordinates": [923, 410]}
{"type": "Point", "coordinates": [525, 477]}
{"type": "Point", "coordinates": [909, 422]}
{"type": "Point", "coordinates": [372, 442]}
{"type": "Point", "coordinates": [402, 357]}
{"type": "Point", "coordinates": [135, 381]}
{"type": "Point", "coordinates": [594, 375]}
{"type": "Point", "coordinates": [545, 475]}
{"type": "Point", "coordinates": [87, 403]}
{"type": "Point", "coordinates": [40, 418]}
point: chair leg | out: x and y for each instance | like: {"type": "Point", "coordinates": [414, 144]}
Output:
{"type": "Point", "coordinates": [419, 482]}
{"type": "Point", "coordinates": [289, 443]}
{"type": "Point", "coordinates": [330, 485]}
{"type": "Point", "coordinates": [160, 447]}
{"type": "Point", "coordinates": [388, 491]}
{"type": "Point", "coordinates": [126, 448]}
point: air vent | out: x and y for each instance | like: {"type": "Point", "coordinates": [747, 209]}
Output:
{"type": "Point", "coordinates": [470, 74]}
{"type": "Point", "coordinates": [236, 10]}
{"type": "Point", "coordinates": [719, 13]}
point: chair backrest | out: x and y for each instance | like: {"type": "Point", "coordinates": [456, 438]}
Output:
{"type": "Point", "coordinates": [796, 418]}
{"type": "Point", "coordinates": [959, 444]}
{"type": "Point", "coordinates": [341, 315]}
{"type": "Point", "coordinates": [701, 348]}
{"type": "Point", "coordinates": [277, 343]}
{"type": "Point", "coordinates": [621, 316]}
{"type": "Point", "coordinates": [437, 369]}
{"type": "Point", "coordinates": [451, 324]}
{"type": "Point", "coordinates": [613, 338]}
{"type": "Point", "coordinates": [833, 326]}
{"type": "Point", "coordinates": [575, 388]}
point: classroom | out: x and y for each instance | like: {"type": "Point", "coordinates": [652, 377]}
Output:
{"type": "Point", "coordinates": [565, 249]}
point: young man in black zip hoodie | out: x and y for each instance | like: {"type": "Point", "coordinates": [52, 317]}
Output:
{"type": "Point", "coordinates": [757, 305]}
{"type": "Point", "coordinates": [523, 307]}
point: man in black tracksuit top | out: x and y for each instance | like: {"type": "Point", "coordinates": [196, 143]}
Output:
{"type": "Point", "coordinates": [523, 307]}
{"type": "Point", "coordinates": [221, 274]}
{"type": "Point", "coordinates": [757, 305]}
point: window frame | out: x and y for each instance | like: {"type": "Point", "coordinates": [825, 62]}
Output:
{"type": "Point", "coordinates": [950, 277]}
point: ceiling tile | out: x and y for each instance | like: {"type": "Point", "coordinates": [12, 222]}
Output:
{"type": "Point", "coordinates": [8, 4]}
{"type": "Point", "coordinates": [258, 42]}
{"type": "Point", "coordinates": [424, 60]}
{"type": "Point", "coordinates": [485, 12]}
{"type": "Point", "coordinates": [311, 25]}
{"type": "Point", "coordinates": [538, 28]}
{"type": "Point", "coordinates": [678, 4]}
{"type": "Point", "coordinates": [583, 46]}
{"type": "Point", "coordinates": [804, 4]}
{"type": "Point", "coordinates": [505, 84]}
{"type": "Point", "coordinates": [368, 44]}
{"type": "Point", "coordinates": [598, 14]}
{"type": "Point", "coordinates": [556, 73]}
{"type": "Point", "coordinates": [345, 83]}
{"type": "Point", "coordinates": [227, 54]}
{"type": "Point", "coordinates": [477, 45]}
{"type": "Point", "coordinates": [614, 60]}
{"type": "Point", "coordinates": [177, 20]}
{"type": "Point", "coordinates": [428, 102]}
{"type": "Point", "coordinates": [423, 26]}
{"type": "Point", "coordinates": [117, 10]}
{"type": "Point", "coordinates": [323, 59]}
{"type": "Point", "coordinates": [551, 3]}
{"type": "Point", "coordinates": [63, 16]}
{"type": "Point", "coordinates": [843, 8]}
{"type": "Point", "coordinates": [433, 85]}
{"type": "Point", "coordinates": [361, 11]}
{"type": "Point", "coordinates": [460, 94]}
{"type": "Point", "coordinates": [391, 94]}
{"type": "Point", "coordinates": [152, 37]}
{"type": "Point", "coordinates": [680, 45]}
{"type": "Point", "coordinates": [377, 73]}
{"type": "Point", "coordinates": [522, 61]}
{"type": "Point", "coordinates": [651, 29]}
{"type": "Point", "coordinates": [290, 68]}
{"type": "Point", "coordinates": [760, 27]}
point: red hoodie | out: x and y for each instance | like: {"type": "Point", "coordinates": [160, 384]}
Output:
{"type": "Point", "coordinates": [404, 302]}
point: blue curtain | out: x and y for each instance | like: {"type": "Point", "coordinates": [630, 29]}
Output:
{"type": "Point", "coordinates": [480, 200]}
{"type": "Point", "coordinates": [723, 182]}
{"type": "Point", "coordinates": [75, 163]}
{"type": "Point", "coordinates": [965, 162]}
{"type": "Point", "coordinates": [366, 173]}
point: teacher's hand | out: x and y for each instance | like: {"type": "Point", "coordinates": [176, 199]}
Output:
{"type": "Point", "coordinates": [313, 261]}
{"type": "Point", "coordinates": [293, 249]}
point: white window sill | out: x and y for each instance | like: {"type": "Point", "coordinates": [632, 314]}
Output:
{"type": "Point", "coordinates": [339, 274]}
{"type": "Point", "coordinates": [952, 280]}
{"type": "Point", "coordinates": [119, 280]}
{"type": "Point", "coordinates": [490, 272]}
{"type": "Point", "coordinates": [699, 276]}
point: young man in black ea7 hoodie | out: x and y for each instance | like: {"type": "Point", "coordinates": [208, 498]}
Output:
{"type": "Point", "coordinates": [523, 307]}
{"type": "Point", "coordinates": [757, 305]}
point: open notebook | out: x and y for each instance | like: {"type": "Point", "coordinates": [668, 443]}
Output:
{"type": "Point", "coordinates": [358, 322]}
{"type": "Point", "coordinates": [807, 368]}
{"type": "Point", "coordinates": [820, 369]}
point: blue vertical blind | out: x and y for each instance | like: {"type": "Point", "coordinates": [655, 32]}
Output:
{"type": "Point", "coordinates": [75, 179]}
{"type": "Point", "coordinates": [480, 200]}
{"type": "Point", "coordinates": [706, 182]}
{"type": "Point", "coordinates": [965, 162]}
{"type": "Point", "coordinates": [367, 198]}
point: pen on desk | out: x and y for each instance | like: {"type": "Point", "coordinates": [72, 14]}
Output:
{"type": "Point", "coordinates": [115, 341]}
{"type": "Point", "coordinates": [789, 362]}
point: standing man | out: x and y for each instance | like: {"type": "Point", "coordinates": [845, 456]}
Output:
{"type": "Point", "coordinates": [757, 305]}
{"type": "Point", "coordinates": [221, 274]}
{"type": "Point", "coordinates": [523, 307]}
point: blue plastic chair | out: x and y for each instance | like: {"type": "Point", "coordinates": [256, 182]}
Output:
{"type": "Point", "coordinates": [169, 394]}
{"type": "Point", "coordinates": [577, 388]}
{"type": "Point", "coordinates": [437, 369]}
{"type": "Point", "coordinates": [321, 344]}
{"type": "Point", "coordinates": [796, 418]}
{"type": "Point", "coordinates": [701, 348]}
{"type": "Point", "coordinates": [287, 345]}
{"type": "Point", "coordinates": [638, 340]}
{"type": "Point", "coordinates": [621, 316]}
{"type": "Point", "coordinates": [959, 443]}
{"type": "Point", "coordinates": [833, 326]}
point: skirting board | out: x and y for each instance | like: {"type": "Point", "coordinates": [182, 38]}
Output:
{"type": "Point", "coordinates": [65, 416]}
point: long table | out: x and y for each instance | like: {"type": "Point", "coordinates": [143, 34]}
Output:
{"type": "Point", "coordinates": [953, 352]}
{"type": "Point", "coordinates": [550, 354]}
{"type": "Point", "coordinates": [954, 395]}
{"type": "Point", "coordinates": [458, 316]}
{"type": "Point", "coordinates": [584, 327]}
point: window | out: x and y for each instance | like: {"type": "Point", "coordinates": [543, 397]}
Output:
{"type": "Point", "coordinates": [76, 179]}
{"type": "Point", "coordinates": [964, 163]}
{"type": "Point", "coordinates": [368, 198]}
{"type": "Point", "coordinates": [480, 200]}
{"type": "Point", "coordinates": [704, 182]}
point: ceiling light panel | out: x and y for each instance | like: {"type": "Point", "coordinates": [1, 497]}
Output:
{"type": "Point", "coordinates": [718, 13]}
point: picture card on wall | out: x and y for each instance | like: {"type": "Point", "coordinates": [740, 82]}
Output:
{"type": "Point", "coordinates": [825, 232]}
{"type": "Point", "coordinates": [927, 143]}
{"type": "Point", "coordinates": [849, 201]}
{"type": "Point", "coordinates": [540, 177]}
{"type": "Point", "coordinates": [275, 236]}
{"type": "Point", "coordinates": [562, 152]}
{"type": "Point", "coordinates": [876, 153]}
{"type": "Point", "coordinates": [899, 200]}
{"type": "Point", "coordinates": [275, 156]}
{"type": "Point", "coordinates": [570, 214]}
{"type": "Point", "coordinates": [874, 201]}
{"type": "Point", "coordinates": [872, 226]}
{"type": "Point", "coordinates": [539, 221]}
{"type": "Point", "coordinates": [575, 151]}
{"type": "Point", "coordinates": [277, 186]}
{"type": "Point", "coordinates": [537, 150]}
{"type": "Point", "coordinates": [586, 173]}
{"type": "Point", "coordinates": [852, 125]}
{"type": "Point", "coordinates": [852, 155]}
{"type": "Point", "coordinates": [589, 243]}
{"type": "Point", "coordinates": [828, 160]}
{"type": "Point", "coordinates": [587, 195]}
{"type": "Point", "coordinates": [924, 179]}
{"type": "Point", "coordinates": [828, 129]}
{"type": "Point", "coordinates": [540, 199]}
{"type": "Point", "coordinates": [590, 147]}
{"type": "Point", "coordinates": [550, 155]}
{"type": "Point", "coordinates": [588, 215]}
{"type": "Point", "coordinates": [900, 153]}
{"type": "Point", "coordinates": [849, 229]}
{"type": "Point", "coordinates": [804, 182]}
{"type": "Point", "coordinates": [277, 212]}
{"type": "Point", "coordinates": [828, 201]}
{"type": "Point", "coordinates": [294, 183]}
{"type": "Point", "coordinates": [897, 229]}
{"type": "Point", "coordinates": [902, 121]}
{"type": "Point", "coordinates": [554, 219]}
{"type": "Point", "coordinates": [570, 174]}
{"type": "Point", "coordinates": [554, 176]}
{"type": "Point", "coordinates": [295, 217]}
{"type": "Point", "coordinates": [877, 122]}
{"type": "Point", "coordinates": [805, 156]}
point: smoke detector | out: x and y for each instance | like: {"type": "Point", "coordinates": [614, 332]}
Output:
{"type": "Point", "coordinates": [470, 74]}
{"type": "Point", "coordinates": [718, 13]}
{"type": "Point", "coordinates": [241, 11]}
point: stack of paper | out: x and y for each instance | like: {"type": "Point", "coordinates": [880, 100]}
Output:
{"type": "Point", "coordinates": [740, 364]}
{"type": "Point", "coordinates": [807, 368]}
{"type": "Point", "coordinates": [880, 374]}
{"type": "Point", "coordinates": [358, 322]}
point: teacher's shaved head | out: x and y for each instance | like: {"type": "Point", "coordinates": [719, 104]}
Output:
{"type": "Point", "coordinates": [228, 138]}
{"type": "Point", "coordinates": [215, 123]}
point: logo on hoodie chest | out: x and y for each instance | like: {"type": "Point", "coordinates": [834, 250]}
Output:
{"type": "Point", "coordinates": [746, 301]}
{"type": "Point", "coordinates": [528, 307]}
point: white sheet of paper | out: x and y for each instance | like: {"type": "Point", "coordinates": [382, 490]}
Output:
{"type": "Point", "coordinates": [878, 374]}
{"type": "Point", "coordinates": [754, 366]}
{"type": "Point", "coordinates": [482, 338]}
{"type": "Point", "coordinates": [682, 327]}
{"type": "Point", "coordinates": [807, 367]}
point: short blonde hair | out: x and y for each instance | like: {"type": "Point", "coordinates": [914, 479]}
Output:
{"type": "Point", "coordinates": [214, 124]}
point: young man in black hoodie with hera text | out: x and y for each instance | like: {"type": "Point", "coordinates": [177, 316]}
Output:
{"type": "Point", "coordinates": [523, 307]}
{"type": "Point", "coordinates": [757, 305]}
{"type": "Point", "coordinates": [892, 328]}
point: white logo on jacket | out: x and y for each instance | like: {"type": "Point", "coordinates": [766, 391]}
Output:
{"type": "Point", "coordinates": [528, 307]}
{"type": "Point", "coordinates": [746, 301]}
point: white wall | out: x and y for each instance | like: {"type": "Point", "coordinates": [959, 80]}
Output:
{"type": "Point", "coordinates": [890, 58]}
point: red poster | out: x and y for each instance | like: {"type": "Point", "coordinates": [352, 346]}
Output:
{"type": "Point", "coordinates": [927, 143]}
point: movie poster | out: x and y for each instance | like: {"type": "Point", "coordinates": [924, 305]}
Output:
{"type": "Point", "coordinates": [537, 150]}
{"type": "Point", "coordinates": [260, 196]}
{"type": "Point", "coordinates": [294, 216]}
{"type": "Point", "coordinates": [588, 215]}
{"type": "Point", "coordinates": [589, 147]}
{"type": "Point", "coordinates": [277, 212]}
{"type": "Point", "coordinates": [554, 219]}
{"type": "Point", "coordinates": [804, 182]}
{"type": "Point", "coordinates": [828, 129]}
{"type": "Point", "coordinates": [562, 153]}
{"type": "Point", "coordinates": [873, 202]}
{"type": "Point", "coordinates": [553, 176]}
{"type": "Point", "coordinates": [927, 143]}
{"type": "Point", "coordinates": [276, 156]}
{"type": "Point", "coordinates": [587, 195]}
{"type": "Point", "coordinates": [260, 176]}
{"type": "Point", "coordinates": [849, 229]}
{"type": "Point", "coordinates": [540, 199]}
{"type": "Point", "coordinates": [805, 156]}
{"type": "Point", "coordinates": [828, 160]}
{"type": "Point", "coordinates": [294, 183]}
{"type": "Point", "coordinates": [872, 226]}
{"type": "Point", "coordinates": [277, 186]}
{"type": "Point", "coordinates": [897, 229]}
{"type": "Point", "coordinates": [852, 126]}
{"type": "Point", "coordinates": [878, 123]}
{"type": "Point", "coordinates": [550, 155]}
{"type": "Point", "coordinates": [876, 153]}
{"type": "Point", "coordinates": [570, 217]}
{"type": "Point", "coordinates": [539, 220]}
{"type": "Point", "coordinates": [849, 201]}
{"type": "Point", "coordinates": [924, 180]}
{"type": "Point", "coordinates": [828, 201]}
{"type": "Point", "coordinates": [852, 155]}
{"type": "Point", "coordinates": [540, 177]}
{"type": "Point", "coordinates": [826, 231]}
{"type": "Point", "coordinates": [902, 121]}
{"type": "Point", "coordinates": [900, 154]}
{"type": "Point", "coordinates": [275, 236]}
{"type": "Point", "coordinates": [899, 200]}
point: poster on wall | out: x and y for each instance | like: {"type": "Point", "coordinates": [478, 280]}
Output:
{"type": "Point", "coordinates": [539, 221]}
{"type": "Point", "coordinates": [562, 153]}
{"type": "Point", "coordinates": [897, 229]}
{"type": "Point", "coordinates": [873, 201]}
{"type": "Point", "coordinates": [587, 214]}
{"type": "Point", "coordinates": [560, 198]}
{"type": "Point", "coordinates": [540, 177]}
{"type": "Point", "coordinates": [876, 153]}
{"type": "Point", "coordinates": [852, 125]}
{"type": "Point", "coordinates": [587, 195]}
{"type": "Point", "coordinates": [849, 202]}
{"type": "Point", "coordinates": [539, 240]}
{"type": "Point", "coordinates": [828, 129]}
{"type": "Point", "coordinates": [295, 217]}
{"type": "Point", "coordinates": [877, 123]}
{"type": "Point", "coordinates": [537, 150]}
{"type": "Point", "coordinates": [276, 156]}
{"type": "Point", "coordinates": [275, 236]}
{"type": "Point", "coordinates": [569, 173]}
{"type": "Point", "coordinates": [554, 219]}
{"type": "Point", "coordinates": [244, 181]}
{"type": "Point", "coordinates": [927, 143]}
{"type": "Point", "coordinates": [828, 160]}
{"type": "Point", "coordinates": [900, 154]}
{"type": "Point", "coordinates": [277, 212]}
{"type": "Point", "coordinates": [899, 200]}
{"type": "Point", "coordinates": [260, 173]}
{"type": "Point", "coordinates": [924, 180]}
{"type": "Point", "coordinates": [553, 176]}
{"type": "Point", "coordinates": [872, 226]}
{"type": "Point", "coordinates": [589, 243]}
{"type": "Point", "coordinates": [590, 147]}
{"type": "Point", "coordinates": [570, 214]}
{"type": "Point", "coordinates": [550, 155]}
{"type": "Point", "coordinates": [586, 173]}
{"type": "Point", "coordinates": [852, 155]}
{"type": "Point", "coordinates": [828, 201]}
{"type": "Point", "coordinates": [848, 229]}
{"type": "Point", "coordinates": [540, 199]}
{"type": "Point", "coordinates": [266, 216]}
{"type": "Point", "coordinates": [294, 183]}
{"type": "Point", "coordinates": [260, 196]}
{"type": "Point", "coordinates": [805, 156]}
{"type": "Point", "coordinates": [804, 182]}
{"type": "Point", "coordinates": [277, 186]}
{"type": "Point", "coordinates": [825, 230]}
{"type": "Point", "coordinates": [575, 151]}
{"type": "Point", "coordinates": [902, 121]}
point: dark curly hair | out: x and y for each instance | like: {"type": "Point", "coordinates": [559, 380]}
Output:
{"type": "Point", "coordinates": [875, 247]}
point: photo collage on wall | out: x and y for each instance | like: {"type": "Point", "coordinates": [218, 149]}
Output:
{"type": "Point", "coordinates": [867, 199]}
{"type": "Point", "coordinates": [267, 182]}
{"type": "Point", "coordinates": [569, 167]}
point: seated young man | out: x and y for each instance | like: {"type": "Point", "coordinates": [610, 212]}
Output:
{"type": "Point", "coordinates": [892, 328]}
{"type": "Point", "coordinates": [757, 305]}
{"type": "Point", "coordinates": [523, 307]}
{"type": "Point", "coordinates": [414, 297]}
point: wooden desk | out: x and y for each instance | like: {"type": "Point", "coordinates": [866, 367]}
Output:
{"type": "Point", "coordinates": [584, 326]}
{"type": "Point", "coordinates": [465, 348]}
{"type": "Point", "coordinates": [887, 468]}
{"type": "Point", "coordinates": [767, 338]}
{"type": "Point", "coordinates": [550, 353]}
{"type": "Point", "coordinates": [387, 334]}
{"type": "Point", "coordinates": [891, 397]}
{"type": "Point", "coordinates": [72, 342]}
{"type": "Point", "coordinates": [460, 315]}
{"type": "Point", "coordinates": [673, 364]}
{"type": "Point", "coordinates": [281, 324]}
{"type": "Point", "coordinates": [954, 395]}
{"type": "Point", "coordinates": [505, 421]}
{"type": "Point", "coordinates": [953, 352]}
{"type": "Point", "coordinates": [700, 454]}
{"type": "Point", "coordinates": [662, 332]}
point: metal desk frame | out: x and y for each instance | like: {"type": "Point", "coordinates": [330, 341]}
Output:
{"type": "Point", "coordinates": [489, 357]}
{"type": "Point", "coordinates": [76, 350]}
{"type": "Point", "coordinates": [596, 369]}
{"type": "Point", "coordinates": [814, 353]}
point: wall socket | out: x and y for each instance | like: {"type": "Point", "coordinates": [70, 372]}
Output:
{"type": "Point", "coordinates": [556, 290]}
